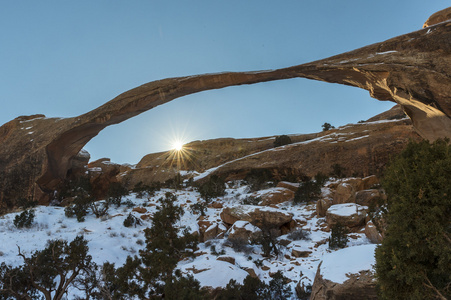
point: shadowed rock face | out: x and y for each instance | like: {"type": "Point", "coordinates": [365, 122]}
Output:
{"type": "Point", "coordinates": [413, 70]}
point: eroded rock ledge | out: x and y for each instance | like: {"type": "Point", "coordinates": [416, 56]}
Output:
{"type": "Point", "coordinates": [413, 70]}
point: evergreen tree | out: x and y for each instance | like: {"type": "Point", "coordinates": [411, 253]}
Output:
{"type": "Point", "coordinates": [164, 247]}
{"type": "Point", "coordinates": [414, 260]}
{"type": "Point", "coordinates": [327, 126]}
{"type": "Point", "coordinates": [214, 187]}
{"type": "Point", "coordinates": [338, 236]}
{"type": "Point", "coordinates": [47, 273]}
{"type": "Point", "coordinates": [307, 191]}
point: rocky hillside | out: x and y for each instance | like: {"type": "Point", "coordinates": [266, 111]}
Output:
{"type": "Point", "coordinates": [413, 70]}
{"type": "Point", "coordinates": [360, 149]}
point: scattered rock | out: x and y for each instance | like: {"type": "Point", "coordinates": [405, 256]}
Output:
{"type": "Point", "coordinates": [228, 259]}
{"type": "Point", "coordinates": [300, 253]}
{"type": "Point", "coordinates": [140, 210]}
{"type": "Point", "coordinates": [215, 204]}
{"type": "Point", "coordinates": [251, 272]}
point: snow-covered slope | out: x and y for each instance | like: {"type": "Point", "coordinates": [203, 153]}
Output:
{"type": "Point", "coordinates": [110, 241]}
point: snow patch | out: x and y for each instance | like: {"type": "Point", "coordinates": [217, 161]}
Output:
{"type": "Point", "coordinates": [337, 265]}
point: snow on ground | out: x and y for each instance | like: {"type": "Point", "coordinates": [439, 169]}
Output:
{"type": "Point", "coordinates": [350, 260]}
{"type": "Point", "coordinates": [346, 209]}
{"type": "Point", "coordinates": [110, 241]}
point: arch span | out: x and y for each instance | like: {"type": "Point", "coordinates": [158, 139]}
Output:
{"type": "Point", "coordinates": [413, 70]}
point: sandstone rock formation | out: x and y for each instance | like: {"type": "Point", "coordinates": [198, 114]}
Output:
{"type": "Point", "coordinates": [257, 216]}
{"type": "Point", "coordinates": [361, 149]}
{"type": "Point", "coordinates": [347, 214]}
{"type": "Point", "coordinates": [346, 274]}
{"type": "Point", "coordinates": [412, 70]}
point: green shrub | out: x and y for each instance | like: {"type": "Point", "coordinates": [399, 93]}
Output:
{"type": "Point", "coordinates": [298, 235]}
{"type": "Point", "coordinates": [306, 192]}
{"type": "Point", "coordinates": [146, 191]}
{"type": "Point", "coordinates": [338, 171]}
{"type": "Point", "coordinates": [24, 219]}
{"type": "Point", "coordinates": [268, 241]}
{"type": "Point", "coordinates": [131, 220]}
{"type": "Point", "coordinates": [321, 178]}
{"type": "Point", "coordinates": [214, 187]}
{"type": "Point", "coordinates": [338, 236]}
{"type": "Point", "coordinates": [259, 179]}
{"type": "Point", "coordinates": [282, 140]}
{"type": "Point", "coordinates": [254, 289]}
{"type": "Point", "coordinates": [79, 209]}
{"type": "Point", "coordinates": [116, 191]}
{"type": "Point", "coordinates": [414, 259]}
{"type": "Point", "coordinates": [199, 208]}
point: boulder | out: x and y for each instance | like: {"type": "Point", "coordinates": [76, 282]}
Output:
{"type": "Point", "coordinates": [216, 230]}
{"type": "Point", "coordinates": [345, 193]}
{"type": "Point", "coordinates": [258, 216]}
{"type": "Point", "coordinates": [325, 201]}
{"type": "Point", "coordinates": [243, 230]}
{"type": "Point", "coordinates": [347, 214]}
{"type": "Point", "coordinates": [297, 252]}
{"type": "Point", "coordinates": [369, 182]}
{"type": "Point", "coordinates": [346, 274]}
{"type": "Point", "coordinates": [368, 197]}
{"type": "Point", "coordinates": [140, 210]}
{"type": "Point", "coordinates": [356, 183]}
{"type": "Point", "coordinates": [229, 259]}
{"type": "Point", "coordinates": [274, 196]}
{"type": "Point", "coordinates": [372, 233]}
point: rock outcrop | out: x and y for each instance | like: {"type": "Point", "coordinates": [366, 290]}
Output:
{"type": "Point", "coordinates": [346, 274]}
{"type": "Point", "coordinates": [412, 70]}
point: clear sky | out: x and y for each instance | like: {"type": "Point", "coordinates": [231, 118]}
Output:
{"type": "Point", "coordinates": [63, 58]}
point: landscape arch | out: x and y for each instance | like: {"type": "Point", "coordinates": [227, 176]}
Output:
{"type": "Point", "coordinates": [412, 70]}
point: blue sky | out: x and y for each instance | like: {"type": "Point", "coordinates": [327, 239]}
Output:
{"type": "Point", "coordinates": [63, 58]}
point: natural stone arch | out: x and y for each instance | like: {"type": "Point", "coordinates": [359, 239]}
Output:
{"type": "Point", "coordinates": [412, 70]}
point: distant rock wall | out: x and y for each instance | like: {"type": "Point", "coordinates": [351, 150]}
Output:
{"type": "Point", "coordinates": [413, 70]}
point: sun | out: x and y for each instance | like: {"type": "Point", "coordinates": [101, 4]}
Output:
{"type": "Point", "coordinates": [177, 146]}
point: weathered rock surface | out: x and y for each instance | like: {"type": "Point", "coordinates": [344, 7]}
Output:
{"type": "Point", "coordinates": [438, 17]}
{"type": "Point", "coordinates": [243, 230]}
{"type": "Point", "coordinates": [363, 148]}
{"type": "Point", "coordinates": [344, 193]}
{"type": "Point", "coordinates": [347, 214]}
{"type": "Point", "coordinates": [369, 197]}
{"type": "Point", "coordinates": [412, 70]}
{"type": "Point", "coordinates": [258, 216]}
{"type": "Point", "coordinates": [372, 233]}
{"type": "Point", "coordinates": [359, 286]}
{"type": "Point", "coordinates": [275, 196]}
